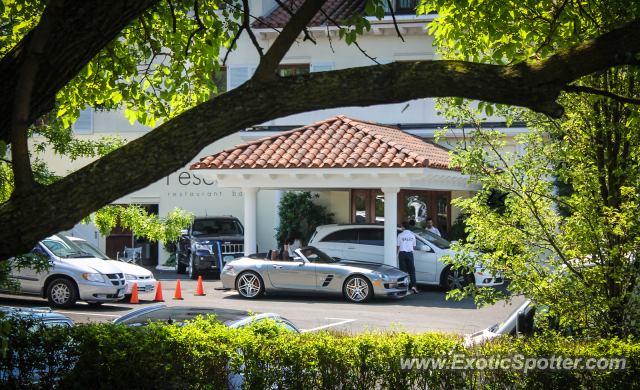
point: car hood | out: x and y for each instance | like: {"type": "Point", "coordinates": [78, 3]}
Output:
{"type": "Point", "coordinates": [129, 268]}
{"type": "Point", "coordinates": [480, 337]}
{"type": "Point", "coordinates": [377, 267]}
{"type": "Point", "coordinates": [91, 265]}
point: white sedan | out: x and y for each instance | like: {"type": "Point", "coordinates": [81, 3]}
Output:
{"type": "Point", "coordinates": [133, 273]}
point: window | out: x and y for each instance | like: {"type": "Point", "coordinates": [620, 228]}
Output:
{"type": "Point", "coordinates": [292, 70]}
{"type": "Point", "coordinates": [84, 123]}
{"type": "Point", "coordinates": [239, 74]}
{"type": "Point", "coordinates": [339, 236]}
{"type": "Point", "coordinates": [224, 227]}
{"type": "Point", "coordinates": [372, 237]}
{"type": "Point", "coordinates": [402, 6]}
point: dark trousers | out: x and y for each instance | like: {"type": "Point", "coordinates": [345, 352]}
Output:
{"type": "Point", "coordinates": [405, 261]}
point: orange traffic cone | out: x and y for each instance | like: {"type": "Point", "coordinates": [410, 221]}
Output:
{"type": "Point", "coordinates": [134, 294]}
{"type": "Point", "coordinates": [199, 290]}
{"type": "Point", "coordinates": [159, 293]}
{"type": "Point", "coordinates": [178, 291]}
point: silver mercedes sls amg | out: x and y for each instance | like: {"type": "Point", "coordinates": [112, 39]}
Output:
{"type": "Point", "coordinates": [314, 271]}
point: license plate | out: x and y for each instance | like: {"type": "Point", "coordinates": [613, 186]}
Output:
{"type": "Point", "coordinates": [147, 288]}
{"type": "Point", "coordinates": [121, 293]}
{"type": "Point", "coordinates": [228, 258]}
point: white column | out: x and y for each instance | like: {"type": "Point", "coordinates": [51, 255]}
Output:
{"type": "Point", "coordinates": [250, 195]}
{"type": "Point", "coordinates": [390, 225]}
{"type": "Point", "coordinates": [279, 196]}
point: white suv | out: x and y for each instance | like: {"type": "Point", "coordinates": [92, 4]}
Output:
{"type": "Point", "coordinates": [365, 242]}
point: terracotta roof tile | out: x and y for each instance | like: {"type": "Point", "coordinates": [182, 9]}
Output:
{"type": "Point", "coordinates": [336, 142]}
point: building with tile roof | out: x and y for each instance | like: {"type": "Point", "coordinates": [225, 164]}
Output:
{"type": "Point", "coordinates": [382, 164]}
{"type": "Point", "coordinates": [346, 161]}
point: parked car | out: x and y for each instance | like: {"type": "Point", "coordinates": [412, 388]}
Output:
{"type": "Point", "coordinates": [366, 242]}
{"type": "Point", "coordinates": [44, 314]}
{"type": "Point", "coordinates": [74, 275]}
{"type": "Point", "coordinates": [141, 276]}
{"type": "Point", "coordinates": [208, 244]}
{"type": "Point", "coordinates": [312, 270]}
{"type": "Point", "coordinates": [31, 373]}
{"type": "Point", "coordinates": [179, 314]}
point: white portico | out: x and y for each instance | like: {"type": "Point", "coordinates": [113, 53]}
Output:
{"type": "Point", "coordinates": [342, 154]}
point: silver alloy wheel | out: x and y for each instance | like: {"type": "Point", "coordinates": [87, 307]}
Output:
{"type": "Point", "coordinates": [60, 293]}
{"type": "Point", "coordinates": [455, 280]}
{"type": "Point", "coordinates": [357, 289]}
{"type": "Point", "coordinates": [249, 285]}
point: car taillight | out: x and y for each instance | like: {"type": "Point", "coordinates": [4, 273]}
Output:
{"type": "Point", "coordinates": [227, 267]}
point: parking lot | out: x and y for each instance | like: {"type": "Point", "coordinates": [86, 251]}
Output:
{"type": "Point", "coordinates": [423, 312]}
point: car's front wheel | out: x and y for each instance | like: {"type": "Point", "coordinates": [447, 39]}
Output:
{"type": "Point", "coordinates": [62, 293]}
{"type": "Point", "coordinates": [358, 289]}
{"type": "Point", "coordinates": [250, 285]}
{"type": "Point", "coordinates": [193, 271]}
{"type": "Point", "coordinates": [456, 279]}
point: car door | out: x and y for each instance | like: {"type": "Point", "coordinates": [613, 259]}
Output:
{"type": "Point", "coordinates": [426, 263]}
{"type": "Point", "coordinates": [333, 243]}
{"type": "Point", "coordinates": [28, 278]}
{"type": "Point", "coordinates": [368, 247]}
{"type": "Point", "coordinates": [292, 275]}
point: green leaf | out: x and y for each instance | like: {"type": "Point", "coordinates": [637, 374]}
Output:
{"type": "Point", "coordinates": [370, 8]}
{"type": "Point", "coordinates": [3, 148]}
{"type": "Point", "coordinates": [458, 101]}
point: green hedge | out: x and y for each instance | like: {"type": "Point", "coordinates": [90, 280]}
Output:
{"type": "Point", "coordinates": [208, 355]}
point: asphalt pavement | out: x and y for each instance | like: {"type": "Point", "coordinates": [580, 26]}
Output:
{"type": "Point", "coordinates": [427, 311]}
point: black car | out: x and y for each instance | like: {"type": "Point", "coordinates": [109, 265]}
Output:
{"type": "Point", "coordinates": [208, 244]}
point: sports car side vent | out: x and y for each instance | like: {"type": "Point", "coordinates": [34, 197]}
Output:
{"type": "Point", "coordinates": [327, 279]}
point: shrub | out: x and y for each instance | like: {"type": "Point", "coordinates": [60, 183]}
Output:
{"type": "Point", "coordinates": [209, 355]}
{"type": "Point", "coordinates": [298, 210]}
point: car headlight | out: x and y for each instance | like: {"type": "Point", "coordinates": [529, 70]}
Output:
{"type": "Point", "coordinates": [202, 246]}
{"type": "Point", "coordinates": [93, 278]}
{"type": "Point", "coordinates": [381, 276]}
{"type": "Point", "coordinates": [130, 277]}
{"type": "Point", "coordinates": [152, 275]}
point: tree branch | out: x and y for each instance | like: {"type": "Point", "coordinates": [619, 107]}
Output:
{"type": "Point", "coordinates": [601, 92]}
{"type": "Point", "coordinates": [358, 46]}
{"type": "Point", "coordinates": [307, 35]}
{"type": "Point", "coordinates": [247, 26]}
{"type": "Point", "coordinates": [269, 63]}
{"type": "Point", "coordinates": [395, 22]}
{"type": "Point", "coordinates": [23, 175]}
{"type": "Point", "coordinates": [173, 15]}
{"type": "Point", "coordinates": [233, 42]}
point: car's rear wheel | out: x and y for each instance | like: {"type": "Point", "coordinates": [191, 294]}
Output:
{"type": "Point", "coordinates": [193, 271]}
{"type": "Point", "coordinates": [180, 268]}
{"type": "Point", "coordinates": [62, 293]}
{"type": "Point", "coordinates": [456, 279]}
{"type": "Point", "coordinates": [250, 285]}
{"type": "Point", "coordinates": [358, 289]}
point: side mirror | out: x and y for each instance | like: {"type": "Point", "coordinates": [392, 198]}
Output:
{"type": "Point", "coordinates": [299, 260]}
{"type": "Point", "coordinates": [184, 232]}
{"type": "Point", "coordinates": [425, 248]}
{"type": "Point", "coordinates": [520, 323]}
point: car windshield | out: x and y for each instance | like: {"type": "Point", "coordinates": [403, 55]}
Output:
{"type": "Point", "coordinates": [521, 306]}
{"type": "Point", "coordinates": [221, 227]}
{"type": "Point", "coordinates": [315, 255]}
{"type": "Point", "coordinates": [431, 237]}
{"type": "Point", "coordinates": [61, 246]}
{"type": "Point", "coordinates": [89, 248]}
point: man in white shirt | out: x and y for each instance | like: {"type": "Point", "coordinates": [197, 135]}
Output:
{"type": "Point", "coordinates": [432, 228]}
{"type": "Point", "coordinates": [406, 245]}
